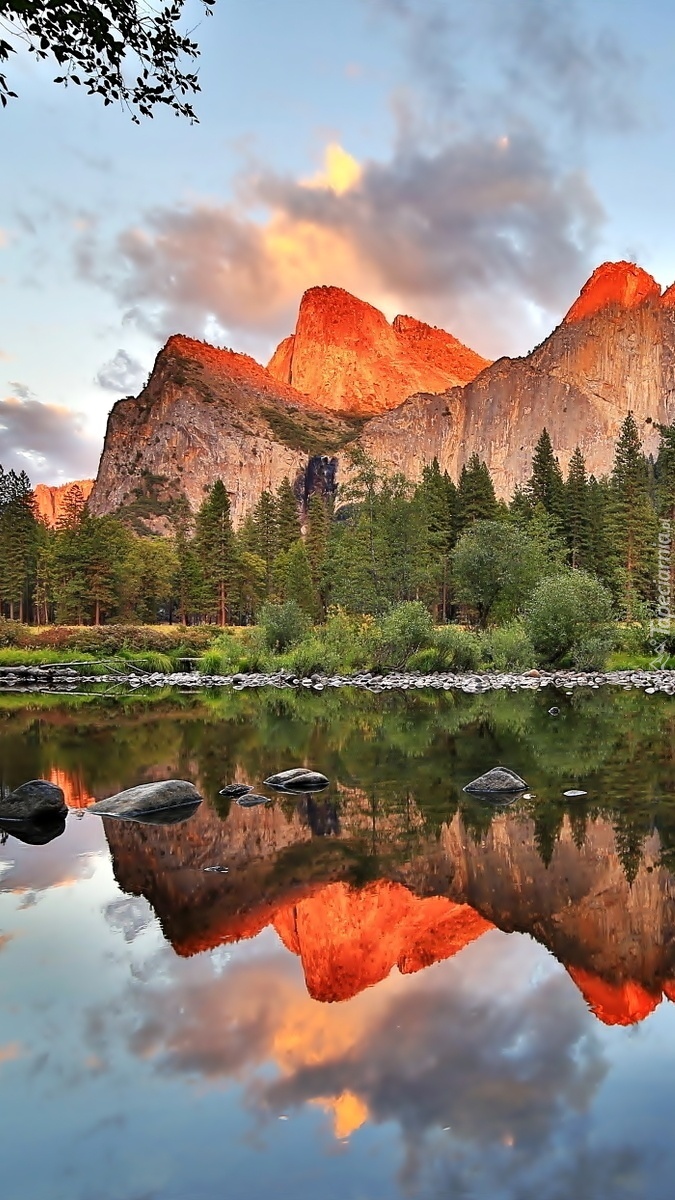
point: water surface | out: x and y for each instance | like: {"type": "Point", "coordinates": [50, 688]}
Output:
{"type": "Point", "coordinates": [393, 991]}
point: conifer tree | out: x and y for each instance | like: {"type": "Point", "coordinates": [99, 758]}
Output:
{"type": "Point", "coordinates": [264, 539]}
{"type": "Point", "coordinates": [18, 542]}
{"type": "Point", "coordinates": [288, 517]}
{"type": "Point", "coordinates": [475, 494]}
{"type": "Point", "coordinates": [316, 544]}
{"type": "Point", "coordinates": [545, 485]}
{"type": "Point", "coordinates": [188, 582]}
{"type": "Point", "coordinates": [632, 524]}
{"type": "Point", "coordinates": [577, 513]}
{"type": "Point", "coordinates": [436, 498]}
{"type": "Point", "coordinates": [214, 544]}
{"type": "Point", "coordinates": [294, 579]}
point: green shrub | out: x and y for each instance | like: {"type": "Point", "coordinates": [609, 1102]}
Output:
{"type": "Point", "coordinates": [564, 612]}
{"type": "Point", "coordinates": [348, 640]}
{"type": "Point", "coordinates": [404, 630]}
{"type": "Point", "coordinates": [459, 649]}
{"type": "Point", "coordinates": [508, 648]}
{"type": "Point", "coordinates": [592, 652]}
{"type": "Point", "coordinates": [283, 625]}
{"type": "Point", "coordinates": [311, 656]}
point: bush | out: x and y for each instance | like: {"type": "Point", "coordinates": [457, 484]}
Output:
{"type": "Point", "coordinates": [310, 657]}
{"type": "Point", "coordinates": [349, 640]}
{"type": "Point", "coordinates": [400, 634]}
{"type": "Point", "coordinates": [496, 567]}
{"type": "Point", "coordinates": [509, 648]}
{"type": "Point", "coordinates": [459, 649]}
{"type": "Point", "coordinates": [283, 625]}
{"type": "Point", "coordinates": [566, 611]}
{"type": "Point", "coordinates": [592, 653]}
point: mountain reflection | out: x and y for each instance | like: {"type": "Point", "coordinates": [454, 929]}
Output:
{"type": "Point", "coordinates": [616, 939]}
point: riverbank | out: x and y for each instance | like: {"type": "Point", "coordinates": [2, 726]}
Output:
{"type": "Point", "coordinates": [68, 677]}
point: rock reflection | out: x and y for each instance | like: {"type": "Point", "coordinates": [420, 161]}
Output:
{"type": "Point", "coordinates": [616, 939]}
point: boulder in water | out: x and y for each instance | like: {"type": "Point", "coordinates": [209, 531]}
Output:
{"type": "Point", "coordinates": [500, 781]}
{"type": "Point", "coordinates": [236, 789]}
{"type": "Point", "coordinates": [252, 801]}
{"type": "Point", "coordinates": [299, 779]}
{"type": "Point", "coordinates": [33, 801]}
{"type": "Point", "coordinates": [149, 798]}
{"type": "Point", "coordinates": [38, 832]}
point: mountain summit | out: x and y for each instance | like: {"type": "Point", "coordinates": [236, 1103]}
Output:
{"type": "Point", "coordinates": [345, 356]}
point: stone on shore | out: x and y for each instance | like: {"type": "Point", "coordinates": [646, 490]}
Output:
{"type": "Point", "coordinates": [500, 781]}
{"type": "Point", "coordinates": [148, 798]}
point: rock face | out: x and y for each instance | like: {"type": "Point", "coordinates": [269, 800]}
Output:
{"type": "Point", "coordinates": [613, 352]}
{"type": "Point", "coordinates": [49, 500]}
{"type": "Point", "coordinates": [346, 356]}
{"type": "Point", "coordinates": [209, 414]}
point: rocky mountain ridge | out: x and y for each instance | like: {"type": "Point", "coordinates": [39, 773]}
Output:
{"type": "Point", "coordinates": [208, 413]}
{"type": "Point", "coordinates": [49, 500]}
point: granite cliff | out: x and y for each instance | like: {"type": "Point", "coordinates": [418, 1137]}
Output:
{"type": "Point", "coordinates": [613, 352]}
{"type": "Point", "coordinates": [49, 500]}
{"type": "Point", "coordinates": [208, 414]}
{"type": "Point", "coordinates": [346, 356]}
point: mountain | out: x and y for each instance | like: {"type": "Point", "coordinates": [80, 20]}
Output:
{"type": "Point", "coordinates": [49, 500]}
{"type": "Point", "coordinates": [345, 356]}
{"type": "Point", "coordinates": [613, 352]}
{"type": "Point", "coordinates": [207, 414]}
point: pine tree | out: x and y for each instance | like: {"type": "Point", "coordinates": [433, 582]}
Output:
{"type": "Point", "coordinates": [475, 494]}
{"type": "Point", "coordinates": [294, 579]}
{"type": "Point", "coordinates": [436, 498]}
{"type": "Point", "coordinates": [214, 544]}
{"type": "Point", "coordinates": [287, 517]}
{"type": "Point", "coordinates": [18, 542]}
{"type": "Point", "coordinates": [188, 582]}
{"type": "Point", "coordinates": [316, 544]}
{"type": "Point", "coordinates": [632, 524]}
{"type": "Point", "coordinates": [72, 508]}
{"type": "Point", "coordinates": [578, 520]}
{"type": "Point", "coordinates": [264, 541]}
{"type": "Point", "coordinates": [545, 485]}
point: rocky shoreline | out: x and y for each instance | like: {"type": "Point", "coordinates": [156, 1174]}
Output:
{"type": "Point", "coordinates": [69, 678]}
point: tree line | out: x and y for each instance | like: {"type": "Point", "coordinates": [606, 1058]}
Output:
{"type": "Point", "coordinates": [453, 546]}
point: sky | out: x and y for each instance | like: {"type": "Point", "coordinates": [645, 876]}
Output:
{"type": "Point", "coordinates": [468, 162]}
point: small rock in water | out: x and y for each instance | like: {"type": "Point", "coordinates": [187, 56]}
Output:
{"type": "Point", "coordinates": [299, 779]}
{"type": "Point", "coordinates": [574, 792]}
{"type": "Point", "coordinates": [235, 789]}
{"type": "Point", "coordinates": [253, 801]}
{"type": "Point", "coordinates": [218, 870]}
{"type": "Point", "coordinates": [554, 712]}
{"type": "Point", "coordinates": [498, 781]}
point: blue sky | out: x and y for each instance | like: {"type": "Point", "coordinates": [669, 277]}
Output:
{"type": "Point", "coordinates": [466, 161]}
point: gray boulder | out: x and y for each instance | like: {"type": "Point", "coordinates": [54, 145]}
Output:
{"type": "Point", "coordinates": [33, 801]}
{"type": "Point", "coordinates": [235, 789]}
{"type": "Point", "coordinates": [139, 802]}
{"type": "Point", "coordinates": [299, 779]}
{"type": "Point", "coordinates": [499, 781]}
{"type": "Point", "coordinates": [252, 801]}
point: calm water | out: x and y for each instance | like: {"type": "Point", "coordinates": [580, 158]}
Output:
{"type": "Point", "coordinates": [394, 992]}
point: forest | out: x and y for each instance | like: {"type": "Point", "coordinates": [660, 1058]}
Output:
{"type": "Point", "coordinates": [452, 548]}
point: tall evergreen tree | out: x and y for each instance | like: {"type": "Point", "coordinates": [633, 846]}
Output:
{"type": "Point", "coordinates": [288, 517]}
{"type": "Point", "coordinates": [18, 543]}
{"type": "Point", "coordinates": [578, 521]}
{"type": "Point", "coordinates": [264, 541]}
{"type": "Point", "coordinates": [214, 544]}
{"type": "Point", "coordinates": [545, 485]}
{"type": "Point", "coordinates": [316, 543]}
{"type": "Point", "coordinates": [476, 499]}
{"type": "Point", "coordinates": [188, 582]}
{"type": "Point", "coordinates": [632, 524]}
{"type": "Point", "coordinates": [436, 498]}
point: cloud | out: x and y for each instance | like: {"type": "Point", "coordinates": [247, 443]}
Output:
{"type": "Point", "coordinates": [45, 440]}
{"type": "Point", "coordinates": [480, 217]}
{"type": "Point", "coordinates": [121, 373]}
{"type": "Point", "coordinates": [21, 390]}
{"type": "Point", "coordinates": [458, 235]}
